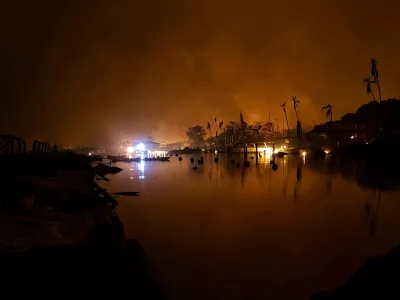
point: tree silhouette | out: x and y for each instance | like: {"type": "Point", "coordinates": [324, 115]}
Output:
{"type": "Point", "coordinates": [368, 81]}
{"type": "Point", "coordinates": [375, 75]}
{"type": "Point", "coordinates": [196, 135]}
{"type": "Point", "coordinates": [256, 127]}
{"type": "Point", "coordinates": [295, 106]}
{"type": "Point", "coordinates": [209, 127]}
{"type": "Point", "coordinates": [328, 109]}
{"type": "Point", "coordinates": [220, 125]}
{"type": "Point", "coordinates": [287, 122]}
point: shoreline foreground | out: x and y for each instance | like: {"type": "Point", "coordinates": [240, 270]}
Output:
{"type": "Point", "coordinates": [59, 230]}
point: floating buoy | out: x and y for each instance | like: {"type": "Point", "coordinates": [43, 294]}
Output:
{"type": "Point", "coordinates": [237, 165]}
{"type": "Point", "coordinates": [247, 164]}
{"type": "Point", "coordinates": [216, 159]}
{"type": "Point", "coordinates": [274, 166]}
{"type": "Point", "coordinates": [180, 158]}
{"type": "Point", "coordinates": [171, 154]}
{"type": "Point", "coordinates": [192, 160]}
{"type": "Point", "coordinates": [195, 168]}
{"type": "Point", "coordinates": [232, 161]}
{"type": "Point", "coordinates": [176, 155]}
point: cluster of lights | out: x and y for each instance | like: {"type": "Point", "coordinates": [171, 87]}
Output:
{"type": "Point", "coordinates": [270, 151]}
{"type": "Point", "coordinates": [157, 153]}
{"type": "Point", "coordinates": [139, 147]}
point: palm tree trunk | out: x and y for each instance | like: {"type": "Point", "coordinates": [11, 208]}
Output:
{"type": "Point", "coordinates": [287, 123]}
{"type": "Point", "coordinates": [379, 90]}
{"type": "Point", "coordinates": [295, 110]}
{"type": "Point", "coordinates": [373, 96]}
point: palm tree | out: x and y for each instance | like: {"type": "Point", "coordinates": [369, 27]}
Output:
{"type": "Point", "coordinates": [375, 74]}
{"type": "Point", "coordinates": [220, 125]}
{"type": "Point", "coordinates": [368, 81]}
{"type": "Point", "coordinates": [287, 122]}
{"type": "Point", "coordinates": [296, 105]}
{"type": "Point", "coordinates": [216, 127]}
{"type": "Point", "coordinates": [209, 127]}
{"type": "Point", "coordinates": [328, 109]}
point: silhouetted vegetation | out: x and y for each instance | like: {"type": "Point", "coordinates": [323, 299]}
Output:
{"type": "Point", "coordinates": [233, 133]}
{"type": "Point", "coordinates": [287, 122]}
{"type": "Point", "coordinates": [196, 136]}
{"type": "Point", "coordinates": [328, 113]}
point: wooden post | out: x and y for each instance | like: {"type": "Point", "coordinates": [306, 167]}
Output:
{"type": "Point", "coordinates": [256, 154]}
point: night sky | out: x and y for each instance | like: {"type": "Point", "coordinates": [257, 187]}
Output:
{"type": "Point", "coordinates": [94, 72]}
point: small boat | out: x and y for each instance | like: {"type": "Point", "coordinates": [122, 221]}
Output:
{"type": "Point", "coordinates": [292, 150]}
{"type": "Point", "coordinates": [156, 158]}
{"type": "Point", "coordinates": [126, 194]}
{"type": "Point", "coordinates": [137, 159]}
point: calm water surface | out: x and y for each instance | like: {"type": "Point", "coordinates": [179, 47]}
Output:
{"type": "Point", "coordinates": [227, 233]}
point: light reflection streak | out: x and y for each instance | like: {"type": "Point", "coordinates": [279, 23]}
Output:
{"type": "Point", "coordinates": [141, 169]}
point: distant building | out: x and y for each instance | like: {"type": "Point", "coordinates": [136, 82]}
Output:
{"type": "Point", "coordinates": [177, 146]}
{"type": "Point", "coordinates": [330, 135]}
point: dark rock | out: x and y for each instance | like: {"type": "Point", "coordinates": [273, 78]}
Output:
{"type": "Point", "coordinates": [378, 278]}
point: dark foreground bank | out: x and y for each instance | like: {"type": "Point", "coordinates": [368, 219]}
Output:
{"type": "Point", "coordinates": [97, 269]}
{"type": "Point", "coordinates": [59, 232]}
{"type": "Point", "coordinates": [378, 278]}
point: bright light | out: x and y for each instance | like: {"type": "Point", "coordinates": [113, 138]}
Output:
{"type": "Point", "coordinates": [140, 147]}
{"type": "Point", "coordinates": [130, 149]}
{"type": "Point", "coordinates": [352, 137]}
{"type": "Point", "coordinates": [304, 153]}
{"type": "Point", "coordinates": [90, 153]}
{"type": "Point", "coordinates": [284, 147]}
{"type": "Point", "coordinates": [269, 150]}
{"type": "Point", "coordinates": [326, 152]}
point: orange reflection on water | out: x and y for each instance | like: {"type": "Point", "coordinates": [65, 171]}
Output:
{"type": "Point", "coordinates": [224, 232]}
